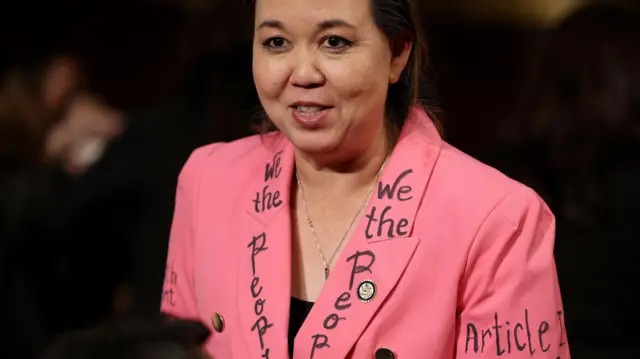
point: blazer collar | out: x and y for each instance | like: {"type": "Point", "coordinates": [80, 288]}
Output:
{"type": "Point", "coordinates": [374, 259]}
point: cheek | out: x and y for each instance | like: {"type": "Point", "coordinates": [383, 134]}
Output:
{"type": "Point", "coordinates": [270, 77]}
{"type": "Point", "coordinates": [359, 78]}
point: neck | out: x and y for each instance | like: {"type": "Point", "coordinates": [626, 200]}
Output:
{"type": "Point", "coordinates": [342, 174]}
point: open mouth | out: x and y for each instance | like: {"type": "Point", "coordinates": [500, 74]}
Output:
{"type": "Point", "coordinates": [310, 110]}
{"type": "Point", "coordinates": [310, 114]}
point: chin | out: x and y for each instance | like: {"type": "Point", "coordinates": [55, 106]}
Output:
{"type": "Point", "coordinates": [314, 142]}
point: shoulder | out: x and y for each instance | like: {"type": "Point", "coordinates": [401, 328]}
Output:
{"type": "Point", "coordinates": [473, 188]}
{"type": "Point", "coordinates": [223, 158]}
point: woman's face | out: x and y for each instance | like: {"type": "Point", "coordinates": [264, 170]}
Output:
{"type": "Point", "coordinates": [322, 70]}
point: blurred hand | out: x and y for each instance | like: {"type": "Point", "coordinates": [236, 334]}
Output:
{"type": "Point", "coordinates": [79, 139]}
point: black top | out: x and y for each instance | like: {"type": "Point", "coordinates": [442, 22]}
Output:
{"type": "Point", "coordinates": [298, 312]}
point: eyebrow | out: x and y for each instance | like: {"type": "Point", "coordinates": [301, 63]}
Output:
{"type": "Point", "coordinates": [329, 24]}
{"type": "Point", "coordinates": [274, 24]}
{"type": "Point", "coordinates": [322, 26]}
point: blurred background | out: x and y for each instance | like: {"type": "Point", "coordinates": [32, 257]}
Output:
{"type": "Point", "coordinates": [102, 102]}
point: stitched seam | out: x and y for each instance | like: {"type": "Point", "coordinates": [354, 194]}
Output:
{"type": "Point", "coordinates": [493, 210]}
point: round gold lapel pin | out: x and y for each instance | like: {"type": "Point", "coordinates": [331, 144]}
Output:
{"type": "Point", "coordinates": [367, 291]}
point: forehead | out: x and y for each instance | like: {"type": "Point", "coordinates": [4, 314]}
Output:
{"type": "Point", "coordinates": [310, 12]}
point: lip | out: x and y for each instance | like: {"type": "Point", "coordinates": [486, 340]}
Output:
{"type": "Point", "coordinates": [310, 120]}
{"type": "Point", "coordinates": [309, 103]}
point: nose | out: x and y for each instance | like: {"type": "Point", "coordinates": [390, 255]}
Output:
{"type": "Point", "coordinates": [306, 73]}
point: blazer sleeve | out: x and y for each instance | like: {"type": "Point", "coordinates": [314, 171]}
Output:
{"type": "Point", "coordinates": [178, 293]}
{"type": "Point", "coordinates": [509, 302]}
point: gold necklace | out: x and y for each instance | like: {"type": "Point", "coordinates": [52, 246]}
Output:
{"type": "Point", "coordinates": [344, 236]}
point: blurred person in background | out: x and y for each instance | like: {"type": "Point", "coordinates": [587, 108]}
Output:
{"type": "Point", "coordinates": [50, 131]}
{"type": "Point", "coordinates": [134, 338]}
{"type": "Point", "coordinates": [208, 94]}
{"type": "Point", "coordinates": [577, 142]}
{"type": "Point", "coordinates": [89, 189]}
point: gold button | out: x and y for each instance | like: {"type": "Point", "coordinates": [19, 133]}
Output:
{"type": "Point", "coordinates": [385, 353]}
{"type": "Point", "coordinates": [218, 322]}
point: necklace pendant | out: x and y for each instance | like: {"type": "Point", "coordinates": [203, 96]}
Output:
{"type": "Point", "coordinates": [326, 273]}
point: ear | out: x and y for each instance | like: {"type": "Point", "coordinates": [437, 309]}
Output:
{"type": "Point", "coordinates": [401, 50]}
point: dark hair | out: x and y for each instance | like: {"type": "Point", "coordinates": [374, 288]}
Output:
{"type": "Point", "coordinates": [399, 21]}
{"type": "Point", "coordinates": [160, 337]}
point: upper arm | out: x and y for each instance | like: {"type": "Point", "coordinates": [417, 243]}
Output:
{"type": "Point", "coordinates": [178, 293]}
{"type": "Point", "coordinates": [509, 302]}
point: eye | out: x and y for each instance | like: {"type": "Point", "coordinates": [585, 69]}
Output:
{"type": "Point", "coordinates": [336, 43]}
{"type": "Point", "coordinates": [275, 43]}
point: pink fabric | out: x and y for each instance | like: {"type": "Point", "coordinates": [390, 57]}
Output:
{"type": "Point", "coordinates": [463, 262]}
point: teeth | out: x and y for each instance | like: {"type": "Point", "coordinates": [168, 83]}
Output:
{"type": "Point", "coordinates": [308, 108]}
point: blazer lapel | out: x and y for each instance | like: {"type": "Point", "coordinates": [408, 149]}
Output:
{"type": "Point", "coordinates": [264, 253]}
{"type": "Point", "coordinates": [379, 251]}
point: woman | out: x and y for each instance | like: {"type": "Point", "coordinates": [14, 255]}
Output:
{"type": "Point", "coordinates": [354, 230]}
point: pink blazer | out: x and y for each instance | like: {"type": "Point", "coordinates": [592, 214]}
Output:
{"type": "Point", "coordinates": [452, 260]}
